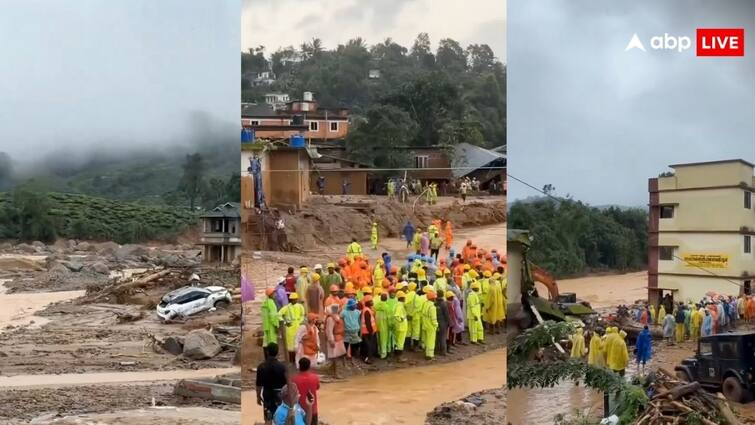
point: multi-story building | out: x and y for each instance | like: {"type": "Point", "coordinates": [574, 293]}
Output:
{"type": "Point", "coordinates": [701, 231]}
{"type": "Point", "coordinates": [302, 116]}
{"type": "Point", "coordinates": [221, 233]}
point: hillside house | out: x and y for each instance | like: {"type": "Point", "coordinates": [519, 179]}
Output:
{"type": "Point", "coordinates": [221, 233]}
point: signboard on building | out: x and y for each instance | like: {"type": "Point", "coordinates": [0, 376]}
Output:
{"type": "Point", "coordinates": [707, 261]}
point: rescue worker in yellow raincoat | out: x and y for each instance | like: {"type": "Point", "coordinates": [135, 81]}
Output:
{"type": "Point", "coordinates": [412, 315]}
{"type": "Point", "coordinates": [374, 236]}
{"type": "Point", "coordinates": [379, 273]}
{"type": "Point", "coordinates": [270, 319]}
{"type": "Point", "coordinates": [596, 357]}
{"type": "Point", "coordinates": [696, 322]}
{"type": "Point", "coordinates": [354, 249]}
{"type": "Point", "coordinates": [429, 324]}
{"type": "Point", "coordinates": [617, 355]}
{"type": "Point", "coordinates": [652, 314]}
{"type": "Point", "coordinates": [422, 302]}
{"type": "Point", "coordinates": [417, 240]}
{"type": "Point", "coordinates": [577, 339]}
{"type": "Point", "coordinates": [661, 315]}
{"type": "Point", "coordinates": [608, 340]}
{"type": "Point", "coordinates": [495, 309]}
{"type": "Point", "coordinates": [401, 324]}
{"type": "Point", "coordinates": [474, 315]}
{"type": "Point", "coordinates": [292, 316]}
{"type": "Point", "coordinates": [441, 283]}
{"type": "Point", "coordinates": [303, 282]}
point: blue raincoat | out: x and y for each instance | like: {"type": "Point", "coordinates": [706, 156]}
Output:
{"type": "Point", "coordinates": [644, 346]}
{"type": "Point", "coordinates": [408, 231]}
{"type": "Point", "coordinates": [707, 325]}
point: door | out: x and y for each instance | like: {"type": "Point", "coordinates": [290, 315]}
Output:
{"type": "Point", "coordinates": [707, 365]}
{"type": "Point", "coordinates": [195, 303]}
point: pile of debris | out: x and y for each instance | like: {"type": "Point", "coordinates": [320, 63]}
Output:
{"type": "Point", "coordinates": [676, 402]}
{"type": "Point", "coordinates": [123, 291]}
{"type": "Point", "coordinates": [484, 407]}
{"type": "Point", "coordinates": [200, 344]}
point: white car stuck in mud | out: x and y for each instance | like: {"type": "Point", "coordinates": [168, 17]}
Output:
{"type": "Point", "coordinates": [191, 300]}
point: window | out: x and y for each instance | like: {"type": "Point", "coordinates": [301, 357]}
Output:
{"type": "Point", "coordinates": [334, 126]}
{"type": "Point", "coordinates": [748, 244]}
{"type": "Point", "coordinates": [748, 199]}
{"type": "Point", "coordinates": [421, 161]}
{"type": "Point", "coordinates": [666, 253]}
{"type": "Point", "coordinates": [747, 287]}
{"type": "Point", "coordinates": [706, 349]}
{"type": "Point", "coordinates": [667, 211]}
{"type": "Point", "coordinates": [728, 349]}
{"type": "Point", "coordinates": [255, 122]}
{"type": "Point", "coordinates": [314, 126]}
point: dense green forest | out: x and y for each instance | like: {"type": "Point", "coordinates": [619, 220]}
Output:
{"type": "Point", "coordinates": [571, 238]}
{"type": "Point", "coordinates": [421, 98]}
{"type": "Point", "coordinates": [30, 215]}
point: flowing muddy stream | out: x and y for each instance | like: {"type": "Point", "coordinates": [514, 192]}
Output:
{"type": "Point", "coordinates": [19, 309]}
{"type": "Point", "coordinates": [406, 395]}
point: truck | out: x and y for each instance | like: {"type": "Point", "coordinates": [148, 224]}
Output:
{"type": "Point", "coordinates": [723, 362]}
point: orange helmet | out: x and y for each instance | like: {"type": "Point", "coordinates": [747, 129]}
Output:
{"type": "Point", "coordinates": [333, 288]}
{"type": "Point", "coordinates": [269, 291]}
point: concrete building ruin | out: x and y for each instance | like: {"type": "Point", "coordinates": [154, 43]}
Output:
{"type": "Point", "coordinates": [221, 233]}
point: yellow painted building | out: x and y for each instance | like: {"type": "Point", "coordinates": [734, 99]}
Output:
{"type": "Point", "coordinates": [701, 230]}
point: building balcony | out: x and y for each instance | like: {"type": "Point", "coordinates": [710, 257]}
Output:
{"type": "Point", "coordinates": [220, 239]}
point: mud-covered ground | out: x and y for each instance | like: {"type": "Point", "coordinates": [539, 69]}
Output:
{"type": "Point", "coordinates": [62, 315]}
{"type": "Point", "coordinates": [483, 407]}
{"type": "Point", "coordinates": [77, 400]}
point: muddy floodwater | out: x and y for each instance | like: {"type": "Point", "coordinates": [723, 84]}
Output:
{"type": "Point", "coordinates": [19, 309]}
{"type": "Point", "coordinates": [407, 395]}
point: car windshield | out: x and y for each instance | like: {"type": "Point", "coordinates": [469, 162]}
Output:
{"type": "Point", "coordinates": [706, 348]}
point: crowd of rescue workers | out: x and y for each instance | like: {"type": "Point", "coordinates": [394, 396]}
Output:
{"type": "Point", "coordinates": [429, 303]}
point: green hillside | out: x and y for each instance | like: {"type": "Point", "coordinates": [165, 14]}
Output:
{"type": "Point", "coordinates": [33, 215]}
{"type": "Point", "coordinates": [147, 178]}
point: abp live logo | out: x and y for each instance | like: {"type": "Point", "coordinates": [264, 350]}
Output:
{"type": "Point", "coordinates": [720, 42]}
{"type": "Point", "coordinates": [710, 42]}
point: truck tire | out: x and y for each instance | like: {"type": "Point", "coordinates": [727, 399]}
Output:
{"type": "Point", "coordinates": [683, 376]}
{"type": "Point", "coordinates": [733, 390]}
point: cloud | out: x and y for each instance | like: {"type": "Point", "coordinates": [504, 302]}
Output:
{"type": "Point", "coordinates": [596, 121]}
{"type": "Point", "coordinates": [121, 74]}
{"type": "Point", "coordinates": [336, 21]}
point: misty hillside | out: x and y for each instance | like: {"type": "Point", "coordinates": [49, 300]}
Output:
{"type": "Point", "coordinates": [33, 215]}
{"type": "Point", "coordinates": [149, 177]}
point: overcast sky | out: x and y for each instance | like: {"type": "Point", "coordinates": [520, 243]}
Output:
{"type": "Point", "coordinates": [281, 23]}
{"type": "Point", "coordinates": [87, 73]}
{"type": "Point", "coordinates": [596, 121]}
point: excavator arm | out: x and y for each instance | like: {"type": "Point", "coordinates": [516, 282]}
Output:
{"type": "Point", "coordinates": [540, 275]}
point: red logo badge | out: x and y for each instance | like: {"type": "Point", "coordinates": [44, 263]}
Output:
{"type": "Point", "coordinates": [720, 42]}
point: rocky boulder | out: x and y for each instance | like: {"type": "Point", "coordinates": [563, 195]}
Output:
{"type": "Point", "coordinates": [200, 344]}
{"type": "Point", "coordinates": [101, 268]}
{"type": "Point", "coordinates": [127, 251]}
{"type": "Point", "coordinates": [108, 248]}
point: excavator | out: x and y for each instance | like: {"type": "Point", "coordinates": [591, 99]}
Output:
{"type": "Point", "coordinates": [533, 307]}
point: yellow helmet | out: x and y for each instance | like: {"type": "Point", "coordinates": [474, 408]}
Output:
{"type": "Point", "coordinates": [315, 277]}
{"type": "Point", "coordinates": [474, 274]}
{"type": "Point", "coordinates": [303, 269]}
{"type": "Point", "coordinates": [467, 267]}
{"type": "Point", "coordinates": [487, 273]}
{"type": "Point", "coordinates": [349, 285]}
{"type": "Point", "coordinates": [413, 286]}
{"type": "Point", "coordinates": [475, 285]}
{"type": "Point", "coordinates": [438, 272]}
{"type": "Point", "coordinates": [293, 296]}
{"type": "Point", "coordinates": [427, 289]}
{"type": "Point", "coordinates": [367, 290]}
{"type": "Point", "coordinates": [449, 294]}
{"type": "Point", "coordinates": [401, 294]}
{"type": "Point", "coordinates": [377, 291]}
{"type": "Point", "coordinates": [331, 265]}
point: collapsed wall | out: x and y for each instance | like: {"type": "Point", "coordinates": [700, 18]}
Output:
{"type": "Point", "coordinates": [328, 223]}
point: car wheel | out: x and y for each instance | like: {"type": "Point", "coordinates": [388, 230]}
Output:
{"type": "Point", "coordinates": [683, 376]}
{"type": "Point", "coordinates": [221, 304]}
{"type": "Point", "coordinates": [732, 389]}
